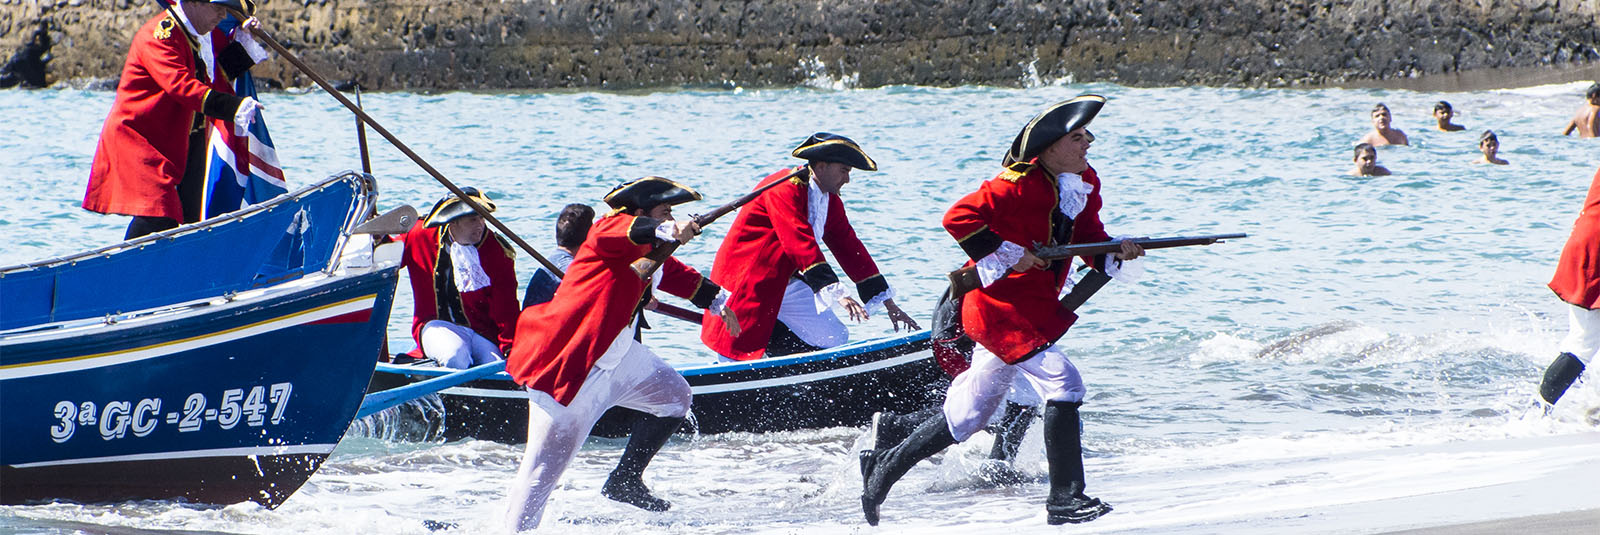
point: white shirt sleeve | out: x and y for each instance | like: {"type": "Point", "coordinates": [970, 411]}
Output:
{"type": "Point", "coordinates": [1124, 270]}
{"type": "Point", "coordinates": [993, 267]}
{"type": "Point", "coordinates": [718, 302]}
{"type": "Point", "coordinates": [251, 47]}
{"type": "Point", "coordinates": [666, 230]}
{"type": "Point", "coordinates": [876, 303]}
{"type": "Point", "coordinates": [829, 296]}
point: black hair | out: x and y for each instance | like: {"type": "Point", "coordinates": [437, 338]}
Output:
{"type": "Point", "coordinates": [1442, 105]}
{"type": "Point", "coordinates": [1380, 106]}
{"type": "Point", "coordinates": [572, 226]}
{"type": "Point", "coordinates": [1594, 91]}
{"type": "Point", "coordinates": [1363, 147]}
{"type": "Point", "coordinates": [1488, 135]}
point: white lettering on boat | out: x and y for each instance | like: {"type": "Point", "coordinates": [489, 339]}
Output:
{"type": "Point", "coordinates": [256, 406]}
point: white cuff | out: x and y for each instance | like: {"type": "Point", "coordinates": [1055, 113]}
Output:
{"type": "Point", "coordinates": [1124, 270]}
{"type": "Point", "coordinates": [721, 300]}
{"type": "Point", "coordinates": [876, 303]}
{"type": "Point", "coordinates": [666, 231]}
{"type": "Point", "coordinates": [244, 115]}
{"type": "Point", "coordinates": [995, 266]}
{"type": "Point", "coordinates": [829, 296]}
{"type": "Point", "coordinates": [251, 47]}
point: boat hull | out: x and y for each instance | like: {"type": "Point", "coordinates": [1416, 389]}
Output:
{"type": "Point", "coordinates": [838, 387]}
{"type": "Point", "coordinates": [215, 402]}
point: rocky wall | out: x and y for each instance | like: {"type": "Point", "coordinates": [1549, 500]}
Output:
{"type": "Point", "coordinates": [511, 44]}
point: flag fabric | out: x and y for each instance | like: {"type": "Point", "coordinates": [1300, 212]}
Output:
{"type": "Point", "coordinates": [241, 167]}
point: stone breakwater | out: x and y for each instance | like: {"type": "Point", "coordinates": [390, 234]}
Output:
{"type": "Point", "coordinates": [620, 44]}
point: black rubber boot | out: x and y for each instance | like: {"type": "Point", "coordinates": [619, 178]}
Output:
{"type": "Point", "coordinates": [889, 428]}
{"type": "Point", "coordinates": [1013, 426]}
{"type": "Point", "coordinates": [626, 484]}
{"type": "Point", "coordinates": [880, 469]}
{"type": "Point", "coordinates": [1063, 446]}
{"type": "Point", "coordinates": [1559, 376]}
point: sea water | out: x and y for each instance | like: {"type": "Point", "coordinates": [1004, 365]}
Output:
{"type": "Point", "coordinates": [1373, 338]}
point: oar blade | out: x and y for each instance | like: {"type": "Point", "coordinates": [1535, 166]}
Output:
{"type": "Point", "coordinates": [377, 402]}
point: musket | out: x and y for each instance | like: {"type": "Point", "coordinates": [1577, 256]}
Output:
{"type": "Point", "coordinates": [966, 279]}
{"type": "Point", "coordinates": [647, 266]}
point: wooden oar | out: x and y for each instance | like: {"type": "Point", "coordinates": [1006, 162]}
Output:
{"type": "Point", "coordinates": [377, 402]}
{"type": "Point", "coordinates": [263, 36]}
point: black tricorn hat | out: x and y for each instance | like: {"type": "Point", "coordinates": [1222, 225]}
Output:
{"type": "Point", "coordinates": [451, 208]}
{"type": "Point", "coordinates": [248, 7]}
{"type": "Point", "coordinates": [1055, 122]}
{"type": "Point", "coordinates": [827, 147]}
{"type": "Point", "coordinates": [648, 192]}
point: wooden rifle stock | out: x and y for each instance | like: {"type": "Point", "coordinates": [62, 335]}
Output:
{"type": "Point", "coordinates": [966, 279]}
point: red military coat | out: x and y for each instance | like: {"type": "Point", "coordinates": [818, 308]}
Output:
{"type": "Point", "coordinates": [491, 311]}
{"type": "Point", "coordinates": [1577, 278]}
{"type": "Point", "coordinates": [770, 242]}
{"type": "Point", "coordinates": [144, 142]}
{"type": "Point", "coordinates": [559, 341]}
{"type": "Point", "coordinates": [1019, 315]}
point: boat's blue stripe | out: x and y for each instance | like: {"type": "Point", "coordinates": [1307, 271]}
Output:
{"type": "Point", "coordinates": [865, 346]}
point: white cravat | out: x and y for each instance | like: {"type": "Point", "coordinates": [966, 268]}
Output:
{"type": "Point", "coordinates": [1074, 194]}
{"type": "Point", "coordinates": [816, 209]}
{"type": "Point", "coordinates": [469, 275]}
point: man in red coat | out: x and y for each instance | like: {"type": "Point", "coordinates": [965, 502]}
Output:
{"type": "Point", "coordinates": [463, 283]}
{"type": "Point", "coordinates": [1047, 194]}
{"type": "Point", "coordinates": [771, 261]}
{"type": "Point", "coordinates": [578, 355]}
{"type": "Point", "coordinates": [151, 157]}
{"type": "Point", "coordinates": [1577, 281]}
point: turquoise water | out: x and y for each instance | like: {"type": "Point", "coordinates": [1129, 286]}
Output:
{"type": "Point", "coordinates": [1362, 312]}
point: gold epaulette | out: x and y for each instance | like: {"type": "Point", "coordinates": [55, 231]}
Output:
{"type": "Point", "coordinates": [164, 28]}
{"type": "Point", "coordinates": [801, 178]}
{"type": "Point", "coordinates": [1015, 171]}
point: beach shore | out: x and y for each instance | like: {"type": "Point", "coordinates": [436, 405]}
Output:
{"type": "Point", "coordinates": [1573, 523]}
{"type": "Point", "coordinates": [1485, 79]}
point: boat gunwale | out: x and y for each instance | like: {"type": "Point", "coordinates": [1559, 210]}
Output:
{"type": "Point", "coordinates": [839, 352]}
{"type": "Point", "coordinates": [366, 190]}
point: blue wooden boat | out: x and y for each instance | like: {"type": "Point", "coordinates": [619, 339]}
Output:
{"type": "Point", "coordinates": [841, 386]}
{"type": "Point", "coordinates": [234, 387]}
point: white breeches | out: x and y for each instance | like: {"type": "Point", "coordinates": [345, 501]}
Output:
{"type": "Point", "coordinates": [799, 313]}
{"type": "Point", "coordinates": [975, 394]}
{"type": "Point", "coordinates": [640, 381]}
{"type": "Point", "coordinates": [456, 346]}
{"type": "Point", "coordinates": [1583, 333]}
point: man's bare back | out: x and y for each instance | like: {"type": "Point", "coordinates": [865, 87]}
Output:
{"type": "Point", "coordinates": [1587, 122]}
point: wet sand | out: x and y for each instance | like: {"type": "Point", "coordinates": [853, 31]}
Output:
{"type": "Point", "coordinates": [1577, 522]}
